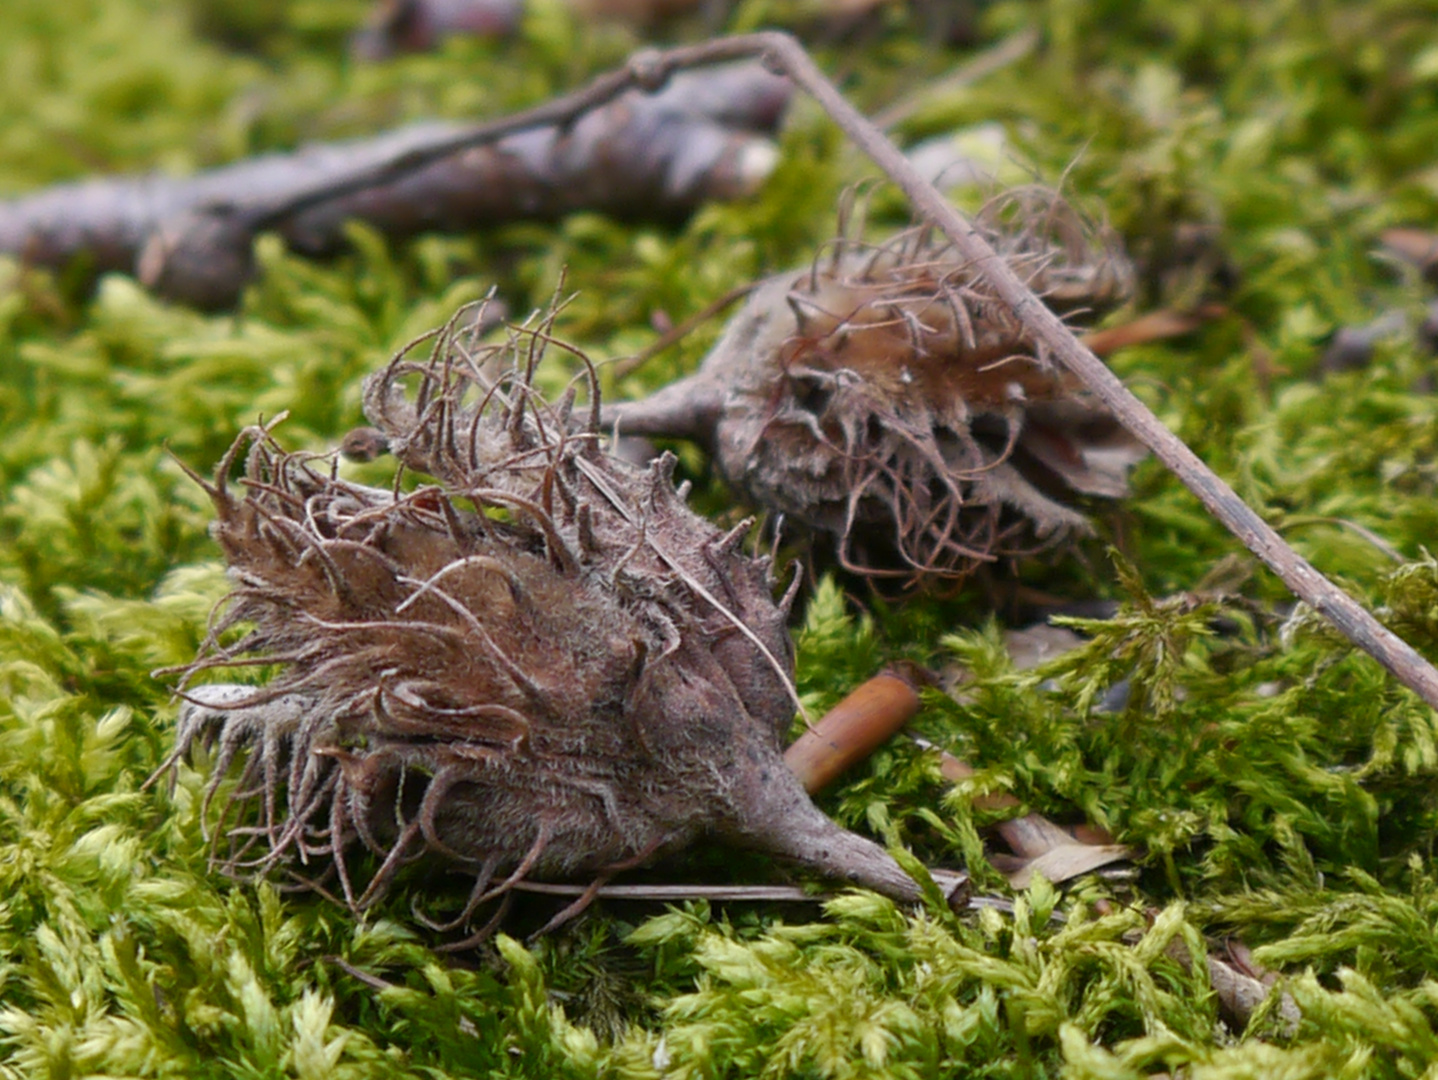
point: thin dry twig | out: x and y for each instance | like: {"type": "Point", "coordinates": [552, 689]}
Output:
{"type": "Point", "coordinates": [1009, 51]}
{"type": "Point", "coordinates": [783, 53]}
{"type": "Point", "coordinates": [679, 332]}
{"type": "Point", "coordinates": [950, 882]}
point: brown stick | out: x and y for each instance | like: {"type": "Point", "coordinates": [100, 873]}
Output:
{"type": "Point", "coordinates": [560, 113]}
{"type": "Point", "coordinates": [639, 157]}
{"type": "Point", "coordinates": [852, 729]}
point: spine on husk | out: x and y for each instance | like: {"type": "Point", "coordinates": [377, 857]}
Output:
{"type": "Point", "coordinates": [537, 663]}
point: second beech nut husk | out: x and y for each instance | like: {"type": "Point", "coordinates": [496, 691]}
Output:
{"type": "Point", "coordinates": [542, 665]}
{"type": "Point", "coordinates": [886, 397]}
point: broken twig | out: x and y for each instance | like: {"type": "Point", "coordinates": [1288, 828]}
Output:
{"type": "Point", "coordinates": [783, 53]}
{"type": "Point", "coordinates": [851, 731]}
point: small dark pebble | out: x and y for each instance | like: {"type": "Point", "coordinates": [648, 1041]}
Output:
{"type": "Point", "coordinates": [1351, 347]}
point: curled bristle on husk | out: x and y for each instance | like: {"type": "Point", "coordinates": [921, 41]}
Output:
{"type": "Point", "coordinates": [538, 663]}
{"type": "Point", "coordinates": [886, 396]}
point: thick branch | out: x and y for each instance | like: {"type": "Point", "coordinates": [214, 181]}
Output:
{"type": "Point", "coordinates": [786, 54]}
{"type": "Point", "coordinates": [633, 156]}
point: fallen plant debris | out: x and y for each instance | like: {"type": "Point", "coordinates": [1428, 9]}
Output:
{"type": "Point", "coordinates": [878, 709]}
{"type": "Point", "coordinates": [571, 678]}
{"type": "Point", "coordinates": [1244, 987]}
{"type": "Point", "coordinates": [705, 136]}
{"type": "Point", "coordinates": [869, 715]}
{"type": "Point", "coordinates": [886, 397]}
{"type": "Point", "coordinates": [1155, 326]}
{"type": "Point", "coordinates": [1038, 845]}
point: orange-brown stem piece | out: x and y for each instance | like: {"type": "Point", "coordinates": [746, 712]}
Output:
{"type": "Point", "coordinates": [852, 729]}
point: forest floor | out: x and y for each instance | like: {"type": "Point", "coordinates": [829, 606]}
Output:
{"type": "Point", "coordinates": [1280, 790]}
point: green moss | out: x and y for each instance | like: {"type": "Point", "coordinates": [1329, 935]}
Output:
{"type": "Point", "coordinates": [1282, 788]}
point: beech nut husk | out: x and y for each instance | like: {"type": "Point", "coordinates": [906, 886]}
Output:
{"type": "Point", "coordinates": [537, 664]}
{"type": "Point", "coordinates": [885, 397]}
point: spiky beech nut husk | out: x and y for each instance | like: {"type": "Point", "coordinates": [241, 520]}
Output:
{"type": "Point", "coordinates": [886, 396]}
{"type": "Point", "coordinates": [541, 665]}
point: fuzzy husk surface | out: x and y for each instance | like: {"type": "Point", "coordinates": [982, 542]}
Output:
{"type": "Point", "coordinates": [884, 397]}
{"type": "Point", "coordinates": [541, 664]}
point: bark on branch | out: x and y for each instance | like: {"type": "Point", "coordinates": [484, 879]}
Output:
{"type": "Point", "coordinates": [628, 154]}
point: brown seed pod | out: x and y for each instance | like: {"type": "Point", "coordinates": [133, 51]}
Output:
{"type": "Point", "coordinates": [886, 396]}
{"type": "Point", "coordinates": [543, 665]}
